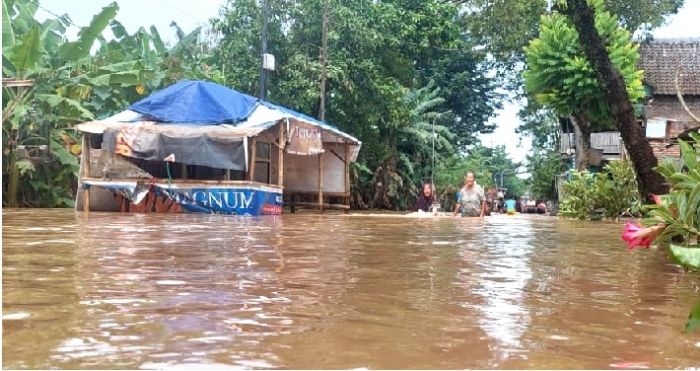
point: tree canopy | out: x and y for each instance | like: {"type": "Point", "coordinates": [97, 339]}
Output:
{"type": "Point", "coordinates": [560, 76]}
{"type": "Point", "coordinates": [396, 72]}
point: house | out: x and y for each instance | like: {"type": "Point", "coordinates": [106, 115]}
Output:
{"type": "Point", "coordinates": [201, 147]}
{"type": "Point", "coordinates": [664, 116]}
{"type": "Point", "coordinates": [605, 146]}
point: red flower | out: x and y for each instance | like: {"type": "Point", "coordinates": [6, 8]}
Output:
{"type": "Point", "coordinates": [657, 199]}
{"type": "Point", "coordinates": [636, 236]}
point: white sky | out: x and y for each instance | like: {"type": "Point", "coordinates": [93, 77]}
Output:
{"type": "Point", "coordinates": [188, 14]}
{"type": "Point", "coordinates": [192, 13]}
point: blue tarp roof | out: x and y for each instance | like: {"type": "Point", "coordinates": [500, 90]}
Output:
{"type": "Point", "coordinates": [207, 103]}
{"type": "Point", "coordinates": [196, 102]}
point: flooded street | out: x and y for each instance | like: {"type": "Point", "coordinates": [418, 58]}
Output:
{"type": "Point", "coordinates": [172, 291]}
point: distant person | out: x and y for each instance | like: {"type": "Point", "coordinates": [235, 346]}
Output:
{"type": "Point", "coordinates": [541, 207]}
{"type": "Point", "coordinates": [491, 200]}
{"type": "Point", "coordinates": [426, 198]}
{"type": "Point", "coordinates": [510, 206]}
{"type": "Point", "coordinates": [472, 200]}
{"type": "Point", "coordinates": [531, 207]}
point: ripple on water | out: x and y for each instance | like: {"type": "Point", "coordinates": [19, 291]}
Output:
{"type": "Point", "coordinates": [171, 282]}
{"type": "Point", "coordinates": [329, 291]}
{"type": "Point", "coordinates": [15, 316]}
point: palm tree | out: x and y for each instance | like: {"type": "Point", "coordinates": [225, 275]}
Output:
{"type": "Point", "coordinates": [410, 153]}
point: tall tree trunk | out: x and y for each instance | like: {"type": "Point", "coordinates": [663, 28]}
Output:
{"type": "Point", "coordinates": [613, 86]}
{"type": "Point", "coordinates": [13, 178]}
{"type": "Point", "coordinates": [582, 129]}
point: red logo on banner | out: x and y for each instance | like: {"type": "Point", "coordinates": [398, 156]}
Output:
{"type": "Point", "coordinates": [268, 209]}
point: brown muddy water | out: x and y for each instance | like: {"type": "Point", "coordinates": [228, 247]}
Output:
{"type": "Point", "coordinates": [334, 291]}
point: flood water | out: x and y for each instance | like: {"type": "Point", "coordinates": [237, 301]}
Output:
{"type": "Point", "coordinates": [334, 291]}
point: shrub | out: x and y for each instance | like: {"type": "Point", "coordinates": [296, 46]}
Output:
{"type": "Point", "coordinates": [676, 216]}
{"type": "Point", "coordinates": [611, 193]}
{"type": "Point", "coordinates": [680, 209]}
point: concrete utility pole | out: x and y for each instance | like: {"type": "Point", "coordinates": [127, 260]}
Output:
{"type": "Point", "coordinates": [263, 50]}
{"type": "Point", "coordinates": [324, 62]}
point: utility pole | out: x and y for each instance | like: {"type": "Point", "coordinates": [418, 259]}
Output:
{"type": "Point", "coordinates": [324, 61]}
{"type": "Point", "coordinates": [263, 50]}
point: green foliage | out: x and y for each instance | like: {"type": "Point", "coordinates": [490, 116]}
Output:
{"type": "Point", "coordinates": [395, 68]}
{"type": "Point", "coordinates": [693, 319]}
{"type": "Point", "coordinates": [642, 15]}
{"type": "Point", "coordinates": [610, 194]}
{"type": "Point", "coordinates": [88, 35]}
{"type": "Point", "coordinates": [517, 22]}
{"type": "Point", "coordinates": [70, 85]}
{"type": "Point", "coordinates": [8, 35]}
{"type": "Point", "coordinates": [409, 149]}
{"type": "Point", "coordinates": [544, 168]}
{"type": "Point", "coordinates": [487, 163]}
{"type": "Point", "coordinates": [26, 55]}
{"type": "Point", "coordinates": [578, 196]}
{"type": "Point", "coordinates": [680, 209]}
{"type": "Point", "coordinates": [544, 162]}
{"type": "Point", "coordinates": [687, 256]}
{"type": "Point", "coordinates": [624, 197]}
{"type": "Point", "coordinates": [559, 75]}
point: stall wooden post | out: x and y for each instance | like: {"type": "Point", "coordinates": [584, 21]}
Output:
{"type": "Point", "coordinates": [347, 173]}
{"type": "Point", "coordinates": [251, 168]}
{"type": "Point", "coordinates": [280, 157]}
{"type": "Point", "coordinates": [320, 181]}
{"type": "Point", "coordinates": [86, 171]}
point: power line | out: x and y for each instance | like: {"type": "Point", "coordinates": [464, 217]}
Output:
{"type": "Point", "coordinates": [184, 13]}
{"type": "Point", "coordinates": [66, 18]}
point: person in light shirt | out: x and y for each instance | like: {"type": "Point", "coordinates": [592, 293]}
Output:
{"type": "Point", "coordinates": [471, 198]}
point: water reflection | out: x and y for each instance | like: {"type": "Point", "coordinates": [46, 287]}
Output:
{"type": "Point", "coordinates": [331, 291]}
{"type": "Point", "coordinates": [503, 270]}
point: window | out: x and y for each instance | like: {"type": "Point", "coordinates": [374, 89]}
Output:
{"type": "Point", "coordinates": [656, 128]}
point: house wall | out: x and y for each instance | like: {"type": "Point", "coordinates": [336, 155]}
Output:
{"type": "Point", "coordinates": [677, 120]}
{"type": "Point", "coordinates": [660, 150]}
{"type": "Point", "coordinates": [669, 107]}
{"type": "Point", "coordinates": [301, 172]}
{"type": "Point", "coordinates": [609, 141]}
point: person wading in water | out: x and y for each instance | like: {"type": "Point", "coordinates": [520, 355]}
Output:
{"type": "Point", "coordinates": [471, 198]}
{"type": "Point", "coordinates": [426, 198]}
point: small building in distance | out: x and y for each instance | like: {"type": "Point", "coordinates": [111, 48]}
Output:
{"type": "Point", "coordinates": [662, 114]}
{"type": "Point", "coordinates": [664, 117]}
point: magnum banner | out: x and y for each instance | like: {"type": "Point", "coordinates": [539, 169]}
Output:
{"type": "Point", "coordinates": [304, 139]}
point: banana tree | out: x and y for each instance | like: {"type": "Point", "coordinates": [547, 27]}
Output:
{"type": "Point", "coordinates": [38, 142]}
{"type": "Point", "coordinates": [410, 148]}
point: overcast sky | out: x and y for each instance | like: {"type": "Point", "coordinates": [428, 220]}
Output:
{"type": "Point", "coordinates": [190, 14]}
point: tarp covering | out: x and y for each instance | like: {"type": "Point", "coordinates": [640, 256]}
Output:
{"type": "Point", "coordinates": [197, 102]}
{"type": "Point", "coordinates": [197, 120]}
{"type": "Point", "coordinates": [194, 148]}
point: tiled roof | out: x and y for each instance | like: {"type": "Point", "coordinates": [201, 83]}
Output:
{"type": "Point", "coordinates": [661, 59]}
